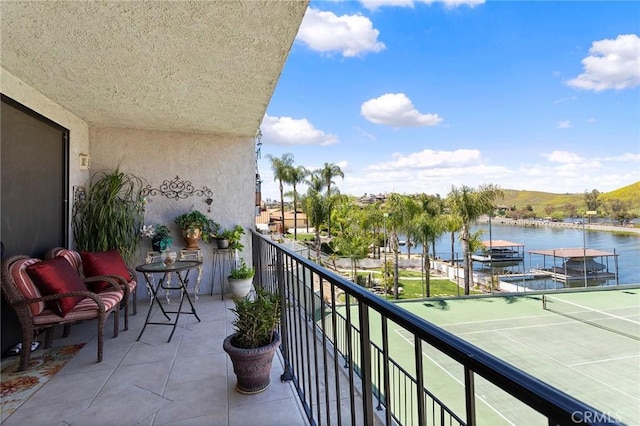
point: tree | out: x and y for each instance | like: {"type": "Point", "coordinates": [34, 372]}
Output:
{"type": "Point", "coordinates": [280, 167]}
{"type": "Point", "coordinates": [316, 207]}
{"type": "Point", "coordinates": [354, 244]}
{"type": "Point", "coordinates": [426, 227]}
{"type": "Point", "coordinates": [295, 176]}
{"type": "Point", "coordinates": [592, 201]}
{"type": "Point", "coordinates": [330, 171]}
{"type": "Point", "coordinates": [469, 204]}
{"type": "Point", "coordinates": [620, 211]}
{"type": "Point", "coordinates": [399, 219]}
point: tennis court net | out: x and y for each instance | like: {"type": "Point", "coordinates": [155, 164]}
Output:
{"type": "Point", "coordinates": [624, 320]}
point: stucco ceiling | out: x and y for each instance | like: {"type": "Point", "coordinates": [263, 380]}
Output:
{"type": "Point", "coordinates": [185, 66]}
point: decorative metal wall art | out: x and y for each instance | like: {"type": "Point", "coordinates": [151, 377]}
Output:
{"type": "Point", "coordinates": [177, 189]}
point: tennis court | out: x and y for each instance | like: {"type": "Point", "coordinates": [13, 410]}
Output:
{"type": "Point", "coordinates": [586, 344]}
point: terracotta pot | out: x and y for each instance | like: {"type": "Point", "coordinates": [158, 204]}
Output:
{"type": "Point", "coordinates": [252, 366]}
{"type": "Point", "coordinates": [191, 237]}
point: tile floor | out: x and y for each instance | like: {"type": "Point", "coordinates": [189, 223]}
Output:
{"type": "Point", "coordinates": [188, 381]}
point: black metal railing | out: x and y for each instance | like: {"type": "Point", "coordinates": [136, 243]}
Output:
{"type": "Point", "coordinates": [337, 353]}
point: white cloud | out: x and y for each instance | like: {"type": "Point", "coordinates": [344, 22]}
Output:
{"type": "Point", "coordinates": [374, 4]}
{"type": "Point", "coordinates": [434, 172]}
{"type": "Point", "coordinates": [563, 157]}
{"type": "Point", "coordinates": [611, 64]}
{"type": "Point", "coordinates": [428, 159]}
{"type": "Point", "coordinates": [566, 124]}
{"type": "Point", "coordinates": [397, 110]}
{"type": "Point", "coordinates": [624, 158]}
{"type": "Point", "coordinates": [290, 131]}
{"type": "Point", "coordinates": [351, 35]}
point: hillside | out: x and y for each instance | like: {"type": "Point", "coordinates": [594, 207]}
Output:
{"type": "Point", "coordinates": [541, 200]}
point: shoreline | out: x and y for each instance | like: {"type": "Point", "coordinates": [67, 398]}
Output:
{"type": "Point", "coordinates": [539, 224]}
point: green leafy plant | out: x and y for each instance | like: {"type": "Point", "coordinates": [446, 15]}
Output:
{"type": "Point", "coordinates": [234, 235]}
{"type": "Point", "coordinates": [256, 319]}
{"type": "Point", "coordinates": [110, 214]}
{"type": "Point", "coordinates": [242, 272]}
{"type": "Point", "coordinates": [196, 219]}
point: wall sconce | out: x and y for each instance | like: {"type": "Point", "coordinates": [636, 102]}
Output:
{"type": "Point", "coordinates": [208, 201]}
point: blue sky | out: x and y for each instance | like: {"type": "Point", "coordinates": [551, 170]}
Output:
{"type": "Point", "coordinates": [416, 96]}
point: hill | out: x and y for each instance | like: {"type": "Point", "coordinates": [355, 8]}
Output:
{"type": "Point", "coordinates": [546, 203]}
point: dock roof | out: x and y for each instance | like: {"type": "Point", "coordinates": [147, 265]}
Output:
{"type": "Point", "coordinates": [500, 243]}
{"type": "Point", "coordinates": [572, 252]}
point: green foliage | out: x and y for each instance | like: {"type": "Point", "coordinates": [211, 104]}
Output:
{"type": "Point", "coordinates": [196, 219]}
{"type": "Point", "coordinates": [233, 235]}
{"type": "Point", "coordinates": [242, 272]}
{"type": "Point", "coordinates": [110, 215]}
{"type": "Point", "coordinates": [256, 319]}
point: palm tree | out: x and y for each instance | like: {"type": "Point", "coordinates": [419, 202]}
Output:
{"type": "Point", "coordinates": [469, 204]}
{"type": "Point", "coordinates": [400, 212]}
{"type": "Point", "coordinates": [316, 207]}
{"type": "Point", "coordinates": [280, 167]}
{"type": "Point", "coordinates": [426, 227]}
{"type": "Point", "coordinates": [330, 171]}
{"type": "Point", "coordinates": [296, 175]}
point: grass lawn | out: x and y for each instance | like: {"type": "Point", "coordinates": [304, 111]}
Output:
{"type": "Point", "coordinates": [413, 288]}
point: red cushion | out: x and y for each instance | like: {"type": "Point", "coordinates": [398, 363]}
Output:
{"type": "Point", "coordinates": [56, 276]}
{"type": "Point", "coordinates": [103, 263]}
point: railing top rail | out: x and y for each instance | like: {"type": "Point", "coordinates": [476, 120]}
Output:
{"type": "Point", "coordinates": [544, 398]}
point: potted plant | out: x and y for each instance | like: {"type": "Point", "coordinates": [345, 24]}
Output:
{"type": "Point", "coordinates": [196, 226]}
{"type": "Point", "coordinates": [110, 214]}
{"type": "Point", "coordinates": [252, 346]}
{"type": "Point", "coordinates": [222, 238]}
{"type": "Point", "coordinates": [241, 279]}
{"type": "Point", "coordinates": [230, 238]}
{"type": "Point", "coordinates": [160, 236]}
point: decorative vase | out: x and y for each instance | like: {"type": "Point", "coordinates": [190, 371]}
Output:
{"type": "Point", "coordinates": [169, 257]}
{"type": "Point", "coordinates": [191, 237]}
{"type": "Point", "coordinates": [252, 366]}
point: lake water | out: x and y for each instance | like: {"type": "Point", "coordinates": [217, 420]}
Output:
{"type": "Point", "coordinates": [627, 246]}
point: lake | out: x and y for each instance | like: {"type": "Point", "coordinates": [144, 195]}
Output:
{"type": "Point", "coordinates": [627, 246]}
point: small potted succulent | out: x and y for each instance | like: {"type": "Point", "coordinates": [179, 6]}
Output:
{"type": "Point", "coordinates": [252, 346]}
{"type": "Point", "coordinates": [196, 226]}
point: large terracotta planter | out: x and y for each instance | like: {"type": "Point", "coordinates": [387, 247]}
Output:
{"type": "Point", "coordinates": [252, 366]}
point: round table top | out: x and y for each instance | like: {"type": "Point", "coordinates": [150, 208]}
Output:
{"type": "Point", "coordinates": [178, 265]}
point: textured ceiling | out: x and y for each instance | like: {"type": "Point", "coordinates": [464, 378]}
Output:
{"type": "Point", "coordinates": [186, 66]}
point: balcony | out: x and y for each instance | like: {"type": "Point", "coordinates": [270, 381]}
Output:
{"type": "Point", "coordinates": [189, 380]}
{"type": "Point", "coordinates": [322, 375]}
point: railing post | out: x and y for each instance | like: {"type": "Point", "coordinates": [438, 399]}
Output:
{"type": "Point", "coordinates": [284, 327]}
{"type": "Point", "coordinates": [470, 396]}
{"type": "Point", "coordinates": [420, 399]}
{"type": "Point", "coordinates": [365, 360]}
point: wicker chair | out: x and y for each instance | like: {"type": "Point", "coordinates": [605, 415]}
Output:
{"type": "Point", "coordinates": [76, 261]}
{"type": "Point", "coordinates": [26, 299]}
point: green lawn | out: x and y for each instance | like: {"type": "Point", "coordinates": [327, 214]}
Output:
{"type": "Point", "coordinates": [413, 288]}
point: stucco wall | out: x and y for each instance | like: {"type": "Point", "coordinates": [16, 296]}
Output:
{"type": "Point", "coordinates": [78, 129]}
{"type": "Point", "coordinates": [224, 165]}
